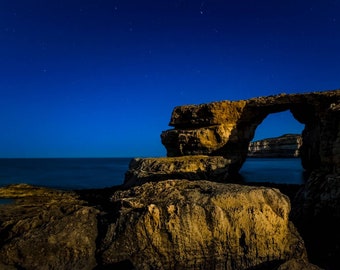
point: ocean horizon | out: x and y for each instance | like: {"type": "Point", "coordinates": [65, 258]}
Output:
{"type": "Point", "coordinates": [87, 173]}
{"type": "Point", "coordinates": [64, 173]}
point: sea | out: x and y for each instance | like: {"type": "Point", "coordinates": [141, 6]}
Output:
{"type": "Point", "coordinates": [89, 173]}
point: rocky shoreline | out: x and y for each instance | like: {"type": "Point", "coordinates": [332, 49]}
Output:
{"type": "Point", "coordinates": [171, 224]}
{"type": "Point", "coordinates": [168, 216]}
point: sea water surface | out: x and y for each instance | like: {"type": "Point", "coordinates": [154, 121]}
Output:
{"type": "Point", "coordinates": [85, 173]}
{"type": "Point", "coordinates": [273, 170]}
{"type": "Point", "coordinates": [64, 173]}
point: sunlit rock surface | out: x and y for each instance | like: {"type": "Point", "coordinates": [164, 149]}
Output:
{"type": "Point", "coordinates": [286, 146]}
{"type": "Point", "coordinates": [179, 224]}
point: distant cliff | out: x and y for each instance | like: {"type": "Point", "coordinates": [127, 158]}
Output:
{"type": "Point", "coordinates": [284, 146]}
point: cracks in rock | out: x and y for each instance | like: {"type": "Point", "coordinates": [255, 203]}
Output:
{"type": "Point", "coordinates": [108, 215]}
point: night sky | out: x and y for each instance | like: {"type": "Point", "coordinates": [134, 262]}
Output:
{"type": "Point", "coordinates": [96, 78]}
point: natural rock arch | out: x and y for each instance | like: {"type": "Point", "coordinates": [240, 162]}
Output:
{"type": "Point", "coordinates": [225, 128]}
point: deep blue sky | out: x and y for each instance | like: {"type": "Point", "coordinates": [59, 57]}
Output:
{"type": "Point", "coordinates": [96, 78]}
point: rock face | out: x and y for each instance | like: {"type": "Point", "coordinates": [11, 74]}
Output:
{"type": "Point", "coordinates": [179, 224]}
{"type": "Point", "coordinates": [287, 145]}
{"type": "Point", "coordinates": [317, 206]}
{"type": "Point", "coordinates": [225, 128]}
{"type": "Point", "coordinates": [46, 229]}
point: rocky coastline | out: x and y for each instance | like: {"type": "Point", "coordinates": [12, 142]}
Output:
{"type": "Point", "coordinates": [188, 210]}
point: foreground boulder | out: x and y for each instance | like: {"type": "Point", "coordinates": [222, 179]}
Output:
{"type": "Point", "coordinates": [46, 229]}
{"type": "Point", "coordinates": [180, 224]}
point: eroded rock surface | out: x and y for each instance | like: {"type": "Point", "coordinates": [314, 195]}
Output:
{"type": "Point", "coordinates": [46, 229]}
{"type": "Point", "coordinates": [180, 224]}
{"type": "Point", "coordinates": [173, 224]}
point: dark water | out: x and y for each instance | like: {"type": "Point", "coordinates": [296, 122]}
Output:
{"type": "Point", "coordinates": [79, 173]}
{"type": "Point", "coordinates": [273, 170]}
{"type": "Point", "coordinates": [5, 201]}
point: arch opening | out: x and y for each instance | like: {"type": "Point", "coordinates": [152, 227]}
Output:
{"type": "Point", "coordinates": [273, 155]}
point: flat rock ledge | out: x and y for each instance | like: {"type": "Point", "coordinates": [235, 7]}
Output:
{"type": "Point", "coordinates": [142, 170]}
{"type": "Point", "coordinates": [181, 224]}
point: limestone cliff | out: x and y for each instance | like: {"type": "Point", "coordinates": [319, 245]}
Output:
{"type": "Point", "coordinates": [287, 146]}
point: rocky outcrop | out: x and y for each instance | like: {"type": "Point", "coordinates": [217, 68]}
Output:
{"type": "Point", "coordinates": [180, 224]}
{"type": "Point", "coordinates": [46, 229]}
{"type": "Point", "coordinates": [143, 170]}
{"type": "Point", "coordinates": [173, 224]}
{"type": "Point", "coordinates": [225, 128]}
{"type": "Point", "coordinates": [286, 146]}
